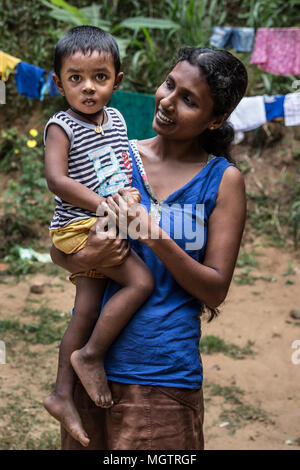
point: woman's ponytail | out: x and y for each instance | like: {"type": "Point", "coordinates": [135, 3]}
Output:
{"type": "Point", "coordinates": [218, 141]}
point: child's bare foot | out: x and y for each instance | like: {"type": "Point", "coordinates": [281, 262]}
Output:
{"type": "Point", "coordinates": [90, 371]}
{"type": "Point", "coordinates": [63, 409]}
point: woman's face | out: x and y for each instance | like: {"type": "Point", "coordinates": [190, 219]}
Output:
{"type": "Point", "coordinates": [183, 104]}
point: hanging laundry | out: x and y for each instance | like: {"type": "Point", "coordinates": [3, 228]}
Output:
{"type": "Point", "coordinates": [274, 106]}
{"type": "Point", "coordinates": [277, 50]}
{"type": "Point", "coordinates": [239, 39]}
{"type": "Point", "coordinates": [138, 112]}
{"type": "Point", "coordinates": [52, 90]}
{"type": "Point", "coordinates": [292, 109]}
{"type": "Point", "coordinates": [7, 65]}
{"type": "Point", "coordinates": [249, 114]}
{"type": "Point", "coordinates": [49, 87]}
{"type": "Point", "coordinates": [29, 79]}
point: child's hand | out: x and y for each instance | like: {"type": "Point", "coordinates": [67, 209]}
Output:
{"type": "Point", "coordinates": [132, 196]}
{"type": "Point", "coordinates": [132, 220]}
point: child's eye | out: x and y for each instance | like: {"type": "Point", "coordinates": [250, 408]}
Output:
{"type": "Point", "coordinates": [74, 78]}
{"type": "Point", "coordinates": [101, 77]}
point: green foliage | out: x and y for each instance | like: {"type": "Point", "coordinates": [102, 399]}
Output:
{"type": "Point", "coordinates": [294, 218]}
{"type": "Point", "coordinates": [268, 14]}
{"type": "Point", "coordinates": [27, 202]}
{"type": "Point", "coordinates": [63, 11]}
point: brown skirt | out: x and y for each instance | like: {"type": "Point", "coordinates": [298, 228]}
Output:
{"type": "Point", "coordinates": [143, 417]}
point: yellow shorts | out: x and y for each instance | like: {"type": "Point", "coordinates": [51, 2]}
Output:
{"type": "Point", "coordinates": [71, 239]}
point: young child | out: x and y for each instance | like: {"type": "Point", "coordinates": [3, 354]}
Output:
{"type": "Point", "coordinates": [86, 160]}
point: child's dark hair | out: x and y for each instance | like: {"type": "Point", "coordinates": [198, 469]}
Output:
{"type": "Point", "coordinates": [86, 39]}
{"type": "Point", "coordinates": [227, 79]}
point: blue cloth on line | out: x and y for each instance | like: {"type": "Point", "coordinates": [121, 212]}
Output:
{"type": "Point", "coordinates": [29, 79]}
{"type": "Point", "coordinates": [227, 37]}
{"type": "Point", "coordinates": [274, 106]}
{"type": "Point", "coordinates": [52, 90]}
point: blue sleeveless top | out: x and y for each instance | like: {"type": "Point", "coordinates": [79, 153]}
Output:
{"type": "Point", "coordinates": [160, 345]}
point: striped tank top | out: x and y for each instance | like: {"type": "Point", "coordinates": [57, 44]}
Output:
{"type": "Point", "coordinates": [101, 163]}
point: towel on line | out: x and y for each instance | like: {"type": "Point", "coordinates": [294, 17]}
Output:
{"type": "Point", "coordinates": [29, 79]}
{"type": "Point", "coordinates": [7, 65]}
{"type": "Point", "coordinates": [292, 109]}
{"type": "Point", "coordinates": [249, 114]}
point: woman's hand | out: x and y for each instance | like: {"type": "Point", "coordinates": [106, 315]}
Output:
{"type": "Point", "coordinates": [98, 253]}
{"type": "Point", "coordinates": [133, 219]}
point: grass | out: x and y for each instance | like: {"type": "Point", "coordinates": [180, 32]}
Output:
{"type": "Point", "coordinates": [244, 274]}
{"type": "Point", "coordinates": [235, 411]}
{"type": "Point", "coordinates": [22, 419]}
{"type": "Point", "coordinates": [212, 344]}
{"type": "Point", "coordinates": [48, 326]}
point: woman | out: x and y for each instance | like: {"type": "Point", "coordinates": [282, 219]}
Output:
{"type": "Point", "coordinates": [186, 179]}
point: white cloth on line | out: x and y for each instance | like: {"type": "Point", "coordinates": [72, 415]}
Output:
{"type": "Point", "coordinates": [249, 114]}
{"type": "Point", "coordinates": [291, 108]}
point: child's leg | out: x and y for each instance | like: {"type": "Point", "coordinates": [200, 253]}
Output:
{"type": "Point", "coordinates": [138, 284]}
{"type": "Point", "coordinates": [89, 293]}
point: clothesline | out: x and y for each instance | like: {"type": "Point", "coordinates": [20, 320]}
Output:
{"type": "Point", "coordinates": [31, 81]}
{"type": "Point", "coordinates": [251, 113]}
{"type": "Point", "coordinates": [254, 111]}
{"type": "Point", "coordinates": [276, 50]}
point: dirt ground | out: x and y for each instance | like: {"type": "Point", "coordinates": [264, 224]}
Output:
{"type": "Point", "coordinates": [251, 402]}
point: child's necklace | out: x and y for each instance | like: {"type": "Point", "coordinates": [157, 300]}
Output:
{"type": "Point", "coordinates": [98, 127]}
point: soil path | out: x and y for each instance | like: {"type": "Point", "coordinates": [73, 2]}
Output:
{"type": "Point", "coordinates": [251, 403]}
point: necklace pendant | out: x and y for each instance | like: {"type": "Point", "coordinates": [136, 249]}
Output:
{"type": "Point", "coordinates": [99, 129]}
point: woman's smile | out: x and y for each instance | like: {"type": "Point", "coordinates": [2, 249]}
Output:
{"type": "Point", "coordinates": [162, 117]}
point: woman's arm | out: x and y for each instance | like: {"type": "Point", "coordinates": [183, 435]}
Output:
{"type": "Point", "coordinates": [56, 169]}
{"type": "Point", "coordinates": [98, 253]}
{"type": "Point", "coordinates": [210, 281]}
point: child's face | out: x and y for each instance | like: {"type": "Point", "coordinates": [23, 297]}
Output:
{"type": "Point", "coordinates": [183, 104]}
{"type": "Point", "coordinates": [88, 81]}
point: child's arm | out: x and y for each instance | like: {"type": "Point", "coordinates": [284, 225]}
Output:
{"type": "Point", "coordinates": [56, 168]}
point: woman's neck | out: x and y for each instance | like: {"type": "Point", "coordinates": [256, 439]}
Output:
{"type": "Point", "coordinates": [169, 149]}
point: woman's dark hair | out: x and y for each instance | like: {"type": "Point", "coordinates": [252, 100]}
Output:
{"type": "Point", "coordinates": [227, 79]}
{"type": "Point", "coordinates": [86, 39]}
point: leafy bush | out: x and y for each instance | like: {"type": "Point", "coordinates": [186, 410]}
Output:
{"type": "Point", "coordinates": [27, 203]}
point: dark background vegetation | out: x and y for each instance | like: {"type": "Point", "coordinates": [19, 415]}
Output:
{"type": "Point", "coordinates": [29, 31]}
